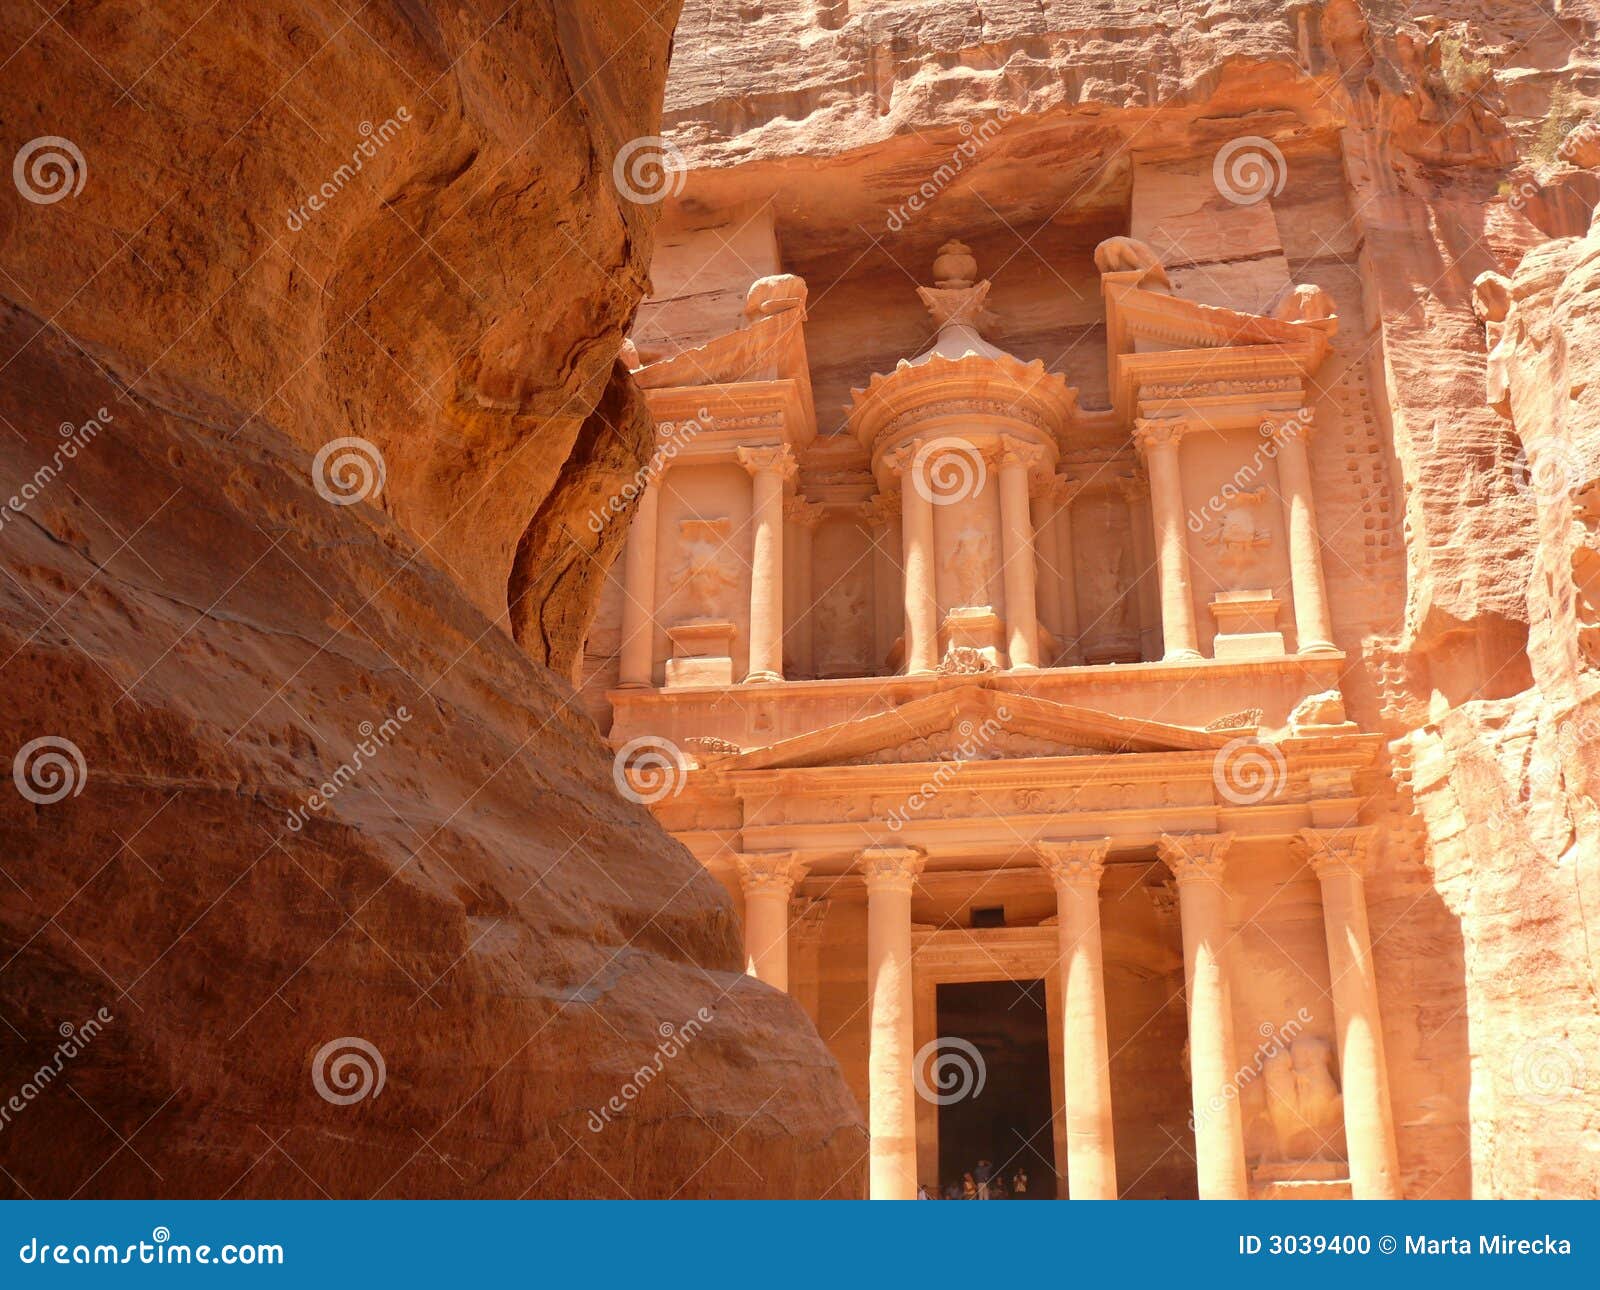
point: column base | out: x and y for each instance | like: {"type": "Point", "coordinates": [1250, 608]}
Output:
{"type": "Point", "coordinates": [1318, 647]}
{"type": "Point", "coordinates": [634, 685]}
{"type": "Point", "coordinates": [1023, 667]}
{"type": "Point", "coordinates": [763, 678]}
{"type": "Point", "coordinates": [1182, 656]}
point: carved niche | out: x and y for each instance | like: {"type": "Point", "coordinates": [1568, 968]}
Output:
{"type": "Point", "coordinates": [705, 576]}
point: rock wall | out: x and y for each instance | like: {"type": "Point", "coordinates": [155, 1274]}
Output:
{"type": "Point", "coordinates": [329, 875]}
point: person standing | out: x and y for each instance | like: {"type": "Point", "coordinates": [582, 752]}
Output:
{"type": "Point", "coordinates": [969, 1188]}
{"type": "Point", "coordinates": [982, 1175]}
{"type": "Point", "coordinates": [1019, 1183]}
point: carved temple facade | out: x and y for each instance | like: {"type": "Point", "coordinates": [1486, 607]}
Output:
{"type": "Point", "coordinates": [983, 684]}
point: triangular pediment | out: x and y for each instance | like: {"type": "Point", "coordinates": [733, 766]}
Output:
{"type": "Point", "coordinates": [973, 722]}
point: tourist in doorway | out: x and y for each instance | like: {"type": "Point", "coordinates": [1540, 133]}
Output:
{"type": "Point", "coordinates": [982, 1176]}
{"type": "Point", "coordinates": [969, 1188]}
{"type": "Point", "coordinates": [1019, 1184]}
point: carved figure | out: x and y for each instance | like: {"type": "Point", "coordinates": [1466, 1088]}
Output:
{"type": "Point", "coordinates": [705, 573]}
{"type": "Point", "coordinates": [971, 563]}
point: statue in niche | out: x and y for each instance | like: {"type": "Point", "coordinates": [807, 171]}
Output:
{"type": "Point", "coordinates": [705, 574]}
{"type": "Point", "coordinates": [840, 617]}
{"type": "Point", "coordinates": [971, 564]}
{"type": "Point", "coordinates": [1304, 1105]}
{"type": "Point", "coordinates": [1235, 534]}
{"type": "Point", "coordinates": [1110, 588]}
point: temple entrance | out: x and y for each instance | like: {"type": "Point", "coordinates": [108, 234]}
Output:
{"type": "Point", "coordinates": [1008, 1121]}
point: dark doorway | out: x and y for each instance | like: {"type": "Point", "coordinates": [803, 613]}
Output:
{"type": "Point", "coordinates": [1008, 1121]}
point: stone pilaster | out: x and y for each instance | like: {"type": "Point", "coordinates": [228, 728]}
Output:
{"type": "Point", "coordinates": [767, 879]}
{"type": "Point", "coordinates": [1312, 625]}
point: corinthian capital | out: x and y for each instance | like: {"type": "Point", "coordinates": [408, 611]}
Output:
{"type": "Point", "coordinates": [760, 458]}
{"type": "Point", "coordinates": [1156, 432]}
{"type": "Point", "coordinates": [1195, 857]}
{"type": "Point", "coordinates": [1020, 452]}
{"type": "Point", "coordinates": [1285, 426]}
{"type": "Point", "coordinates": [1334, 851]}
{"type": "Point", "coordinates": [892, 868]}
{"type": "Point", "coordinates": [769, 871]}
{"type": "Point", "coordinates": [804, 514]}
{"type": "Point", "coordinates": [1079, 863]}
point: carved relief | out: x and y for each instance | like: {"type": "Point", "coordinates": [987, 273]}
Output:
{"type": "Point", "coordinates": [965, 660]}
{"type": "Point", "coordinates": [706, 575]}
{"type": "Point", "coordinates": [1305, 1109]}
{"type": "Point", "coordinates": [841, 619]}
{"type": "Point", "coordinates": [1234, 534]}
{"type": "Point", "coordinates": [971, 564]}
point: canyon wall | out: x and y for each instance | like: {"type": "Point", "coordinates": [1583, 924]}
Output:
{"type": "Point", "coordinates": [1417, 147]}
{"type": "Point", "coordinates": [315, 881]}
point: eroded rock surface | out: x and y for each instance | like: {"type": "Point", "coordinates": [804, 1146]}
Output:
{"type": "Point", "coordinates": [469, 897]}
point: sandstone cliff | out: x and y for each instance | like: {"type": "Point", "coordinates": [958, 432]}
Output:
{"type": "Point", "coordinates": [298, 224]}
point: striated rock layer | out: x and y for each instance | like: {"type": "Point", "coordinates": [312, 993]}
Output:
{"type": "Point", "coordinates": [466, 967]}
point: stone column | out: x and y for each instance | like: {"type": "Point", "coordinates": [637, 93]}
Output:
{"type": "Point", "coordinates": [1159, 442]}
{"type": "Point", "coordinates": [1312, 627]}
{"type": "Point", "coordinates": [882, 517]}
{"type": "Point", "coordinates": [769, 466]}
{"type": "Point", "coordinates": [639, 595]}
{"type": "Point", "coordinates": [1017, 459]}
{"type": "Point", "coordinates": [1196, 861]}
{"type": "Point", "coordinates": [768, 879]}
{"type": "Point", "coordinates": [921, 590]}
{"type": "Point", "coordinates": [803, 517]}
{"type": "Point", "coordinates": [891, 873]}
{"type": "Point", "coordinates": [1339, 858]}
{"type": "Point", "coordinates": [1076, 869]}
